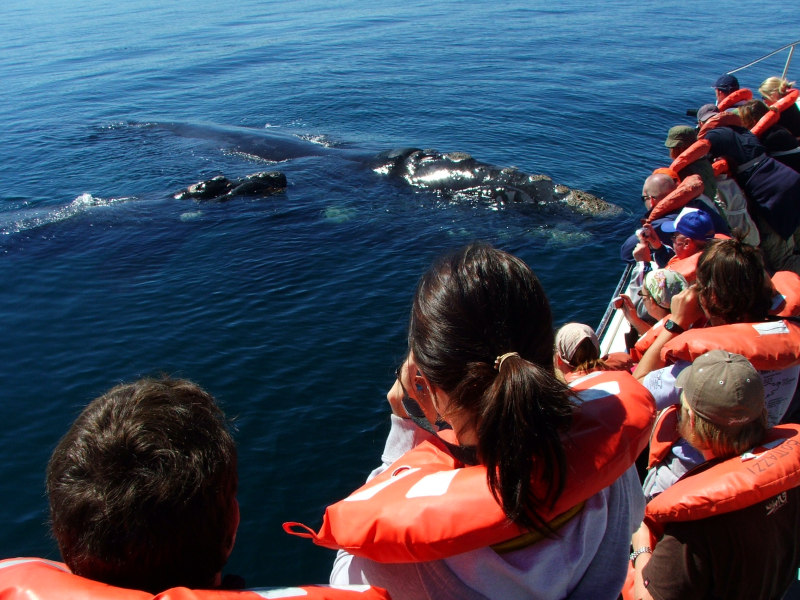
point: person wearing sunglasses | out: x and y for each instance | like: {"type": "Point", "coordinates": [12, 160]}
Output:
{"type": "Point", "coordinates": [651, 242]}
{"type": "Point", "coordinates": [656, 293]}
{"type": "Point", "coordinates": [691, 231]}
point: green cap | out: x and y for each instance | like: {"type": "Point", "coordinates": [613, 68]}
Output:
{"type": "Point", "coordinates": [681, 135]}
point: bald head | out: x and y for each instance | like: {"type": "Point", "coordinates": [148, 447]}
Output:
{"type": "Point", "coordinates": [657, 186]}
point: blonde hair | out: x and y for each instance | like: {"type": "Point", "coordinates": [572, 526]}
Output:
{"type": "Point", "coordinates": [586, 357]}
{"type": "Point", "coordinates": [725, 442]}
{"type": "Point", "coordinates": [774, 88]}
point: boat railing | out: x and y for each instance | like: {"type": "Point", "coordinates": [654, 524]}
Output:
{"type": "Point", "coordinates": [610, 309]}
{"type": "Point", "coordinates": [790, 47]}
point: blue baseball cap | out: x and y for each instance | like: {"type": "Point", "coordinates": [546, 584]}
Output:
{"type": "Point", "coordinates": [693, 223]}
{"type": "Point", "coordinates": [727, 84]}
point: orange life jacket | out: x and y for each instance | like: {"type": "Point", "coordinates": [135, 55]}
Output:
{"type": "Point", "coordinates": [765, 123]}
{"type": "Point", "coordinates": [771, 345]}
{"type": "Point", "coordinates": [785, 101]}
{"type": "Point", "coordinates": [721, 167]}
{"type": "Point", "coordinates": [721, 119]}
{"type": "Point", "coordinates": [724, 487]}
{"type": "Point", "coordinates": [39, 579]}
{"type": "Point", "coordinates": [772, 117]}
{"type": "Point", "coordinates": [646, 340]}
{"type": "Point", "coordinates": [740, 95]}
{"type": "Point", "coordinates": [427, 506]}
{"type": "Point", "coordinates": [688, 266]}
{"type": "Point", "coordinates": [685, 266]}
{"type": "Point", "coordinates": [696, 151]}
{"type": "Point", "coordinates": [787, 287]}
{"type": "Point", "coordinates": [732, 484]}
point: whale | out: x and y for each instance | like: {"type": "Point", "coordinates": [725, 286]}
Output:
{"type": "Point", "coordinates": [459, 174]}
{"type": "Point", "coordinates": [268, 143]}
{"type": "Point", "coordinates": [221, 189]}
{"type": "Point", "coordinates": [453, 175]}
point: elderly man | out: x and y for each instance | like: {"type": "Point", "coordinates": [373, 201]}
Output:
{"type": "Point", "coordinates": [656, 187]}
{"type": "Point", "coordinates": [691, 231]}
{"type": "Point", "coordinates": [652, 242]}
{"type": "Point", "coordinates": [730, 530]}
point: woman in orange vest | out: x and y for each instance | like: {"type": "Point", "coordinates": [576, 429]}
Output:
{"type": "Point", "coordinates": [481, 361]}
{"type": "Point", "coordinates": [773, 90]}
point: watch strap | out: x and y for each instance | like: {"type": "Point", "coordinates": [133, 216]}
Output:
{"type": "Point", "coordinates": [673, 327]}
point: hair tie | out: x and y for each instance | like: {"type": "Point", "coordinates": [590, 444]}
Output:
{"type": "Point", "coordinates": [498, 362]}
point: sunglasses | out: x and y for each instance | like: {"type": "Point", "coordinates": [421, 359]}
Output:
{"type": "Point", "coordinates": [648, 296]}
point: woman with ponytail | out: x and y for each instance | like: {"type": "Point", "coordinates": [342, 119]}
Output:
{"type": "Point", "coordinates": [480, 362]}
{"type": "Point", "coordinates": [772, 91]}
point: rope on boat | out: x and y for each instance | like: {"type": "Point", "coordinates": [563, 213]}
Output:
{"type": "Point", "coordinates": [621, 285]}
{"type": "Point", "coordinates": [758, 60]}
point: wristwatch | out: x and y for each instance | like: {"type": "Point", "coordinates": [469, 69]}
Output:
{"type": "Point", "coordinates": [673, 327]}
{"type": "Point", "coordinates": [642, 550]}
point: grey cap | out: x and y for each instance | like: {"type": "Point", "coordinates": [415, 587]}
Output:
{"type": "Point", "coordinates": [705, 112]}
{"type": "Point", "coordinates": [723, 388]}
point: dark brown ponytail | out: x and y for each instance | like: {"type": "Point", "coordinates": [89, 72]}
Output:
{"type": "Point", "coordinates": [470, 308]}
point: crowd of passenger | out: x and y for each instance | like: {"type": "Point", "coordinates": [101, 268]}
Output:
{"type": "Point", "coordinates": [714, 337]}
{"type": "Point", "coordinates": [520, 462]}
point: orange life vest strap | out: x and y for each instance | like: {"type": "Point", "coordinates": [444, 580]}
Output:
{"type": "Point", "coordinates": [696, 151]}
{"type": "Point", "coordinates": [740, 95]}
{"type": "Point", "coordinates": [721, 119]}
{"type": "Point", "coordinates": [733, 484]}
{"type": "Point", "coordinates": [787, 284]}
{"type": "Point", "coordinates": [665, 434]}
{"type": "Point", "coordinates": [688, 189]}
{"type": "Point", "coordinates": [532, 537]}
{"type": "Point", "coordinates": [40, 579]}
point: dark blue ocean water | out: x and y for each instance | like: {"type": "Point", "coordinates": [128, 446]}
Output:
{"type": "Point", "coordinates": [292, 309]}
